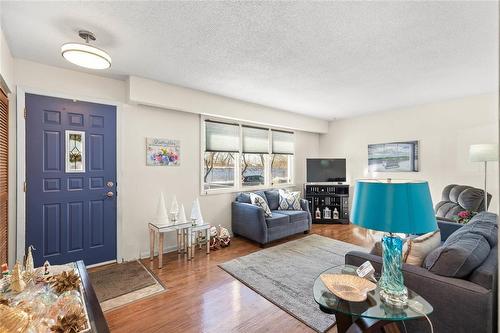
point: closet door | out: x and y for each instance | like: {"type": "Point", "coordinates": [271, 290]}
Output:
{"type": "Point", "coordinates": [4, 188]}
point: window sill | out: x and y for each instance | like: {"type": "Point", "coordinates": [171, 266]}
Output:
{"type": "Point", "coordinates": [246, 189]}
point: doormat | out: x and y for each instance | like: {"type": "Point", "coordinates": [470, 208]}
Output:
{"type": "Point", "coordinates": [119, 284]}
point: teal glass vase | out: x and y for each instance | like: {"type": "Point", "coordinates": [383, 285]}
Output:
{"type": "Point", "coordinates": [392, 289]}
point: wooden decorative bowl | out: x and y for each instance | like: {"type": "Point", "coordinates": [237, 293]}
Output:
{"type": "Point", "coordinates": [349, 287]}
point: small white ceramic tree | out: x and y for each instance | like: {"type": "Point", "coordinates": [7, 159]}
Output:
{"type": "Point", "coordinates": [29, 266]}
{"type": "Point", "coordinates": [196, 212]}
{"type": "Point", "coordinates": [174, 209]}
{"type": "Point", "coordinates": [161, 211]}
{"type": "Point", "coordinates": [182, 215]}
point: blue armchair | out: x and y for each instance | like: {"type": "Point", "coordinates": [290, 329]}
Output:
{"type": "Point", "coordinates": [250, 222]}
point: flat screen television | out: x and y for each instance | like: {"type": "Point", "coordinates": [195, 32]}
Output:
{"type": "Point", "coordinates": [322, 170]}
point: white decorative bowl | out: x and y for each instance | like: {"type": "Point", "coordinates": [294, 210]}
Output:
{"type": "Point", "coordinates": [349, 287]}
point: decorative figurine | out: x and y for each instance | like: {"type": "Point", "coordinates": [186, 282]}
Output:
{"type": "Point", "coordinates": [317, 214]}
{"type": "Point", "coordinates": [327, 213]}
{"type": "Point", "coordinates": [5, 269]}
{"type": "Point", "coordinates": [224, 237]}
{"type": "Point", "coordinates": [335, 214]}
{"type": "Point", "coordinates": [219, 237]}
{"type": "Point", "coordinates": [17, 283]}
{"type": "Point", "coordinates": [46, 266]}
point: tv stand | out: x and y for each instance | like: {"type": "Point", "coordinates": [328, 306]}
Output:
{"type": "Point", "coordinates": [328, 197]}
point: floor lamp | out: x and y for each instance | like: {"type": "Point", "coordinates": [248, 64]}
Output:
{"type": "Point", "coordinates": [484, 153]}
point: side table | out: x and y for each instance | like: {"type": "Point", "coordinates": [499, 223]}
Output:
{"type": "Point", "coordinates": [194, 239]}
{"type": "Point", "coordinates": [370, 315]}
{"type": "Point", "coordinates": [160, 230]}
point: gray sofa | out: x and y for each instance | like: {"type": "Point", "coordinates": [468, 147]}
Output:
{"type": "Point", "coordinates": [457, 198]}
{"type": "Point", "coordinates": [250, 222]}
{"type": "Point", "coordinates": [467, 304]}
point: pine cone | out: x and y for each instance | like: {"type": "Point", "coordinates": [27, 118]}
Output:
{"type": "Point", "coordinates": [72, 322]}
{"type": "Point", "coordinates": [65, 281]}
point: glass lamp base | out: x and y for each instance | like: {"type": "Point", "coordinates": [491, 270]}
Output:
{"type": "Point", "coordinates": [399, 299]}
{"type": "Point", "coordinates": [392, 289]}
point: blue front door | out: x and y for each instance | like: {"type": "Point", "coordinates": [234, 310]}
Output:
{"type": "Point", "coordinates": [71, 180]}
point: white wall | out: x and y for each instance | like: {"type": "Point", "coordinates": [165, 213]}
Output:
{"type": "Point", "coordinates": [139, 185]}
{"type": "Point", "coordinates": [158, 94]}
{"type": "Point", "coordinates": [445, 131]}
{"type": "Point", "coordinates": [6, 64]}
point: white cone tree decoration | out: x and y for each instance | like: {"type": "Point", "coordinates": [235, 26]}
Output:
{"type": "Point", "coordinates": [196, 212]}
{"type": "Point", "coordinates": [17, 283]}
{"type": "Point", "coordinates": [29, 266]}
{"type": "Point", "coordinates": [174, 209]}
{"type": "Point", "coordinates": [182, 215]}
{"type": "Point", "coordinates": [161, 211]}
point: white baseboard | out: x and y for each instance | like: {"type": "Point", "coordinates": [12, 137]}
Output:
{"type": "Point", "coordinates": [145, 254]}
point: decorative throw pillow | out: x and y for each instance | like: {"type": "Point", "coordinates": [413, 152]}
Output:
{"type": "Point", "coordinates": [377, 249]}
{"type": "Point", "coordinates": [417, 248]}
{"type": "Point", "coordinates": [459, 256]}
{"type": "Point", "coordinates": [289, 200]}
{"type": "Point", "coordinates": [259, 201]}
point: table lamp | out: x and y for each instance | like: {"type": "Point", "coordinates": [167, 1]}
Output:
{"type": "Point", "coordinates": [393, 206]}
{"type": "Point", "coordinates": [484, 153]}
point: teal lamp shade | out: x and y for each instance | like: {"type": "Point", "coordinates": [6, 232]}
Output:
{"type": "Point", "coordinates": [395, 206]}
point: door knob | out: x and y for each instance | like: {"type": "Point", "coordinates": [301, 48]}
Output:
{"type": "Point", "coordinates": [109, 194]}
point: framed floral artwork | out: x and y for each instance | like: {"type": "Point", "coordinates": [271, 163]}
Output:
{"type": "Point", "coordinates": [162, 152]}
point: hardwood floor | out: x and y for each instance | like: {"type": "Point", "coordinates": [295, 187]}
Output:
{"type": "Point", "coordinates": [201, 297]}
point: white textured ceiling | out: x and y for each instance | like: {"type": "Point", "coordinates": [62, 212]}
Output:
{"type": "Point", "coordinates": [323, 59]}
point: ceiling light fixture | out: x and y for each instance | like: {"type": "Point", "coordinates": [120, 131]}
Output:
{"type": "Point", "coordinates": [86, 55]}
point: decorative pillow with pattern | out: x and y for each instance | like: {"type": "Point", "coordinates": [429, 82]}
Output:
{"type": "Point", "coordinates": [259, 201]}
{"type": "Point", "coordinates": [289, 200]}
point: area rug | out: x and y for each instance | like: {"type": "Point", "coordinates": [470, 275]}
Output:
{"type": "Point", "coordinates": [119, 284]}
{"type": "Point", "coordinates": [285, 274]}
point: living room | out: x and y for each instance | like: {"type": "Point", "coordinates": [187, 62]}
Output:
{"type": "Point", "coordinates": [203, 103]}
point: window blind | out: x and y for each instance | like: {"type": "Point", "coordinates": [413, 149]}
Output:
{"type": "Point", "coordinates": [283, 142]}
{"type": "Point", "coordinates": [255, 140]}
{"type": "Point", "coordinates": [4, 189]}
{"type": "Point", "coordinates": [222, 137]}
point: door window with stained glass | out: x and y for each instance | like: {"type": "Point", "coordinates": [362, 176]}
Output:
{"type": "Point", "coordinates": [75, 151]}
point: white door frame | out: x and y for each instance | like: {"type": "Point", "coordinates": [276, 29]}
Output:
{"type": "Point", "coordinates": [21, 163]}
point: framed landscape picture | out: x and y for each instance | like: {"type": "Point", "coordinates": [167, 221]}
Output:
{"type": "Point", "coordinates": [162, 152]}
{"type": "Point", "coordinates": [393, 157]}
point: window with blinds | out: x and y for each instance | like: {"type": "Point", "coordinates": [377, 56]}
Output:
{"type": "Point", "coordinates": [255, 148]}
{"type": "Point", "coordinates": [240, 156]}
{"type": "Point", "coordinates": [283, 142]}
{"type": "Point", "coordinates": [222, 137]}
{"type": "Point", "coordinates": [222, 143]}
{"type": "Point", "coordinates": [4, 188]}
{"type": "Point", "coordinates": [282, 148]}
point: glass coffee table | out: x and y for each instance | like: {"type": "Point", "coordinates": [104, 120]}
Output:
{"type": "Point", "coordinates": [367, 316]}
